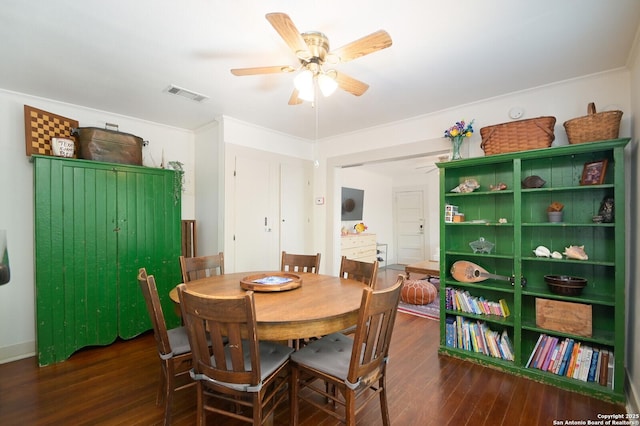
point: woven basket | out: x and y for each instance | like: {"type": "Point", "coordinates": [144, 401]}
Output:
{"type": "Point", "coordinates": [594, 126]}
{"type": "Point", "coordinates": [521, 135]}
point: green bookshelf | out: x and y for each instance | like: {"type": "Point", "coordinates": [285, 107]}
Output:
{"type": "Point", "coordinates": [515, 220]}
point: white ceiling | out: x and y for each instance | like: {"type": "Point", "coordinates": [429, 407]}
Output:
{"type": "Point", "coordinates": [120, 55]}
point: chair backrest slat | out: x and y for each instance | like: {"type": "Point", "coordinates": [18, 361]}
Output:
{"type": "Point", "coordinates": [365, 272]}
{"type": "Point", "coordinates": [194, 268]}
{"type": "Point", "coordinates": [230, 317]}
{"type": "Point", "coordinates": [373, 331]}
{"type": "Point", "coordinates": [300, 262]}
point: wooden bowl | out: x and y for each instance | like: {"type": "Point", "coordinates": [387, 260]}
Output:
{"type": "Point", "coordinates": [272, 281]}
{"type": "Point", "coordinates": [565, 285]}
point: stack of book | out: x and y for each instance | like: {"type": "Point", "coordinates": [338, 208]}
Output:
{"type": "Point", "coordinates": [571, 358]}
{"type": "Point", "coordinates": [461, 300]}
{"type": "Point", "coordinates": [476, 336]}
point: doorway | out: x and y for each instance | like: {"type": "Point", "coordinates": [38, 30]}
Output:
{"type": "Point", "coordinates": [409, 226]}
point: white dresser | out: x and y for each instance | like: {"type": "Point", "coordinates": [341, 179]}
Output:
{"type": "Point", "coordinates": [359, 247]}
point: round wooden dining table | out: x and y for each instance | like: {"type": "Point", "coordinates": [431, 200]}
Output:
{"type": "Point", "coordinates": [323, 304]}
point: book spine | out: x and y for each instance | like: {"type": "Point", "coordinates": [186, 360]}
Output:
{"type": "Point", "coordinates": [586, 363]}
{"type": "Point", "coordinates": [572, 361]}
{"type": "Point", "coordinates": [504, 307]}
{"type": "Point", "coordinates": [565, 359]}
{"type": "Point", "coordinates": [534, 351]}
{"type": "Point", "coordinates": [553, 354]}
{"type": "Point", "coordinates": [594, 363]}
{"type": "Point", "coordinates": [549, 352]}
{"type": "Point", "coordinates": [558, 359]}
{"type": "Point", "coordinates": [450, 329]}
{"type": "Point", "coordinates": [537, 363]}
{"type": "Point", "coordinates": [604, 368]}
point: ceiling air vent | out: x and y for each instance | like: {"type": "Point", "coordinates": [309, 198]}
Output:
{"type": "Point", "coordinates": [189, 94]}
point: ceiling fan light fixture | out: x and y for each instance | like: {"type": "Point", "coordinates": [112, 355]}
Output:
{"type": "Point", "coordinates": [304, 81]}
{"type": "Point", "coordinates": [327, 84]}
{"type": "Point", "coordinates": [308, 94]}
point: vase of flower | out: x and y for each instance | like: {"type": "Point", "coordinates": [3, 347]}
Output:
{"type": "Point", "coordinates": [456, 143]}
{"type": "Point", "coordinates": [456, 134]}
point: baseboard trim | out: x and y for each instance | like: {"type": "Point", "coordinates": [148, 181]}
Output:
{"type": "Point", "coordinates": [18, 351]}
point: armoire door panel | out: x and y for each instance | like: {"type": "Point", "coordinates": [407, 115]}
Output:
{"type": "Point", "coordinates": [147, 238]}
{"type": "Point", "coordinates": [91, 293]}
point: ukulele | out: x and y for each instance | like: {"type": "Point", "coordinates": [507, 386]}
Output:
{"type": "Point", "coordinates": [468, 272]}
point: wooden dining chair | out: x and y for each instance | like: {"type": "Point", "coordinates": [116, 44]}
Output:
{"type": "Point", "coordinates": [300, 262]}
{"type": "Point", "coordinates": [353, 368]}
{"type": "Point", "coordinates": [172, 346]}
{"type": "Point", "coordinates": [248, 376]}
{"type": "Point", "coordinates": [194, 268]}
{"type": "Point", "coordinates": [360, 271]}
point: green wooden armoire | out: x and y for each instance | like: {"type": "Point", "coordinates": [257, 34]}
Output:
{"type": "Point", "coordinates": [96, 224]}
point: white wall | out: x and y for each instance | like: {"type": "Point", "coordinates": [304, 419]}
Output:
{"type": "Point", "coordinates": [377, 212]}
{"type": "Point", "coordinates": [209, 189]}
{"type": "Point", "coordinates": [633, 249]}
{"type": "Point", "coordinates": [17, 298]}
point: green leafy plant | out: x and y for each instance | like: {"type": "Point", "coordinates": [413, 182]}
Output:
{"type": "Point", "coordinates": [178, 184]}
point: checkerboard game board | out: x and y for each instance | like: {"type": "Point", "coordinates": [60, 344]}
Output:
{"type": "Point", "coordinates": [41, 126]}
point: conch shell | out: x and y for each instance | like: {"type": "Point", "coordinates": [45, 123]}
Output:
{"type": "Point", "coordinates": [556, 255]}
{"type": "Point", "coordinates": [575, 252]}
{"type": "Point", "coordinates": [542, 251]}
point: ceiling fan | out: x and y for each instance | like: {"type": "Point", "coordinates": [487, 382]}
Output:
{"type": "Point", "coordinates": [313, 52]}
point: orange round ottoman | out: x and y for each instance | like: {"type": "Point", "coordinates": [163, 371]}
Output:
{"type": "Point", "coordinates": [417, 292]}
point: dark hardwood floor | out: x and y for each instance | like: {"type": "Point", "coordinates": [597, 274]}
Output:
{"type": "Point", "coordinates": [116, 385]}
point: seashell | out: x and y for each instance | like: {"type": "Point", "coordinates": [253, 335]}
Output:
{"type": "Point", "coordinates": [469, 185]}
{"type": "Point", "coordinates": [556, 255]}
{"type": "Point", "coordinates": [533, 182]}
{"type": "Point", "coordinates": [498, 187]}
{"type": "Point", "coordinates": [542, 251]}
{"type": "Point", "coordinates": [575, 252]}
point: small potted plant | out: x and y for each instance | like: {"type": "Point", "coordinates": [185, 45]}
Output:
{"type": "Point", "coordinates": [554, 212]}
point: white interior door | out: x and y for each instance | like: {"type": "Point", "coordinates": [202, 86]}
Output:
{"type": "Point", "coordinates": [295, 223]}
{"type": "Point", "coordinates": [256, 215]}
{"type": "Point", "coordinates": [409, 226]}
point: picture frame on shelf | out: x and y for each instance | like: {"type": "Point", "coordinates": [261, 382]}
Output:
{"type": "Point", "coordinates": [594, 172]}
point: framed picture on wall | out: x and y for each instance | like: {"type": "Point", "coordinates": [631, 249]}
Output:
{"type": "Point", "coordinates": [593, 172]}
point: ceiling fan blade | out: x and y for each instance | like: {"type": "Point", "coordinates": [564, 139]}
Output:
{"type": "Point", "coordinates": [363, 46]}
{"type": "Point", "coordinates": [350, 84]}
{"type": "Point", "coordinates": [294, 99]}
{"type": "Point", "coordinates": [289, 33]}
{"type": "Point", "coordinates": [262, 70]}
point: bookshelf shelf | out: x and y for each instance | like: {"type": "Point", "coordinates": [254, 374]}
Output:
{"type": "Point", "coordinates": [525, 229]}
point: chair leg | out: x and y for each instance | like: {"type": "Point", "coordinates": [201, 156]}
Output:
{"type": "Point", "coordinates": [200, 411]}
{"type": "Point", "coordinates": [162, 385]}
{"type": "Point", "coordinates": [169, 381]}
{"type": "Point", "coordinates": [350, 407]}
{"type": "Point", "coordinates": [257, 408]}
{"type": "Point", "coordinates": [384, 407]}
{"type": "Point", "coordinates": [294, 387]}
